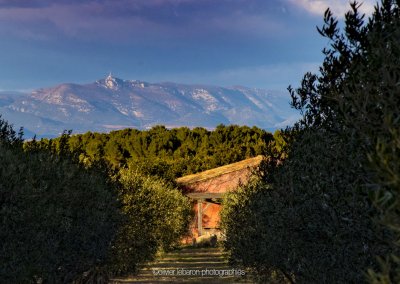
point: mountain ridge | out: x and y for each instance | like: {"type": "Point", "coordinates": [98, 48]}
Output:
{"type": "Point", "coordinates": [112, 103]}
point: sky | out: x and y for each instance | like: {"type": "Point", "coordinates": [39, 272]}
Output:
{"type": "Point", "coordinates": [266, 44]}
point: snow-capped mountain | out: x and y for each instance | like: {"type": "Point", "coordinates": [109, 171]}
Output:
{"type": "Point", "coordinates": [113, 103]}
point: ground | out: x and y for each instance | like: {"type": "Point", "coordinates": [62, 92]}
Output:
{"type": "Point", "coordinates": [189, 265]}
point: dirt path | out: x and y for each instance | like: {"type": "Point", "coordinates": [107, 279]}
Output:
{"type": "Point", "coordinates": [189, 265]}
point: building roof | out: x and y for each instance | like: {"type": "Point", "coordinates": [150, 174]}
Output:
{"type": "Point", "coordinates": [205, 195]}
{"type": "Point", "coordinates": [209, 174]}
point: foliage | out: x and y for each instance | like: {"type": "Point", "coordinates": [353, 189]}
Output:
{"type": "Point", "coordinates": [243, 219]}
{"type": "Point", "coordinates": [63, 221]}
{"type": "Point", "coordinates": [312, 223]}
{"type": "Point", "coordinates": [156, 215]}
{"type": "Point", "coordinates": [332, 206]}
{"type": "Point", "coordinates": [171, 153]}
{"type": "Point", "coordinates": [371, 108]}
{"type": "Point", "coordinates": [57, 217]}
{"type": "Point", "coordinates": [8, 136]}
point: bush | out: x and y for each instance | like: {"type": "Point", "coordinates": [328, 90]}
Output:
{"type": "Point", "coordinates": [243, 220]}
{"type": "Point", "coordinates": [371, 109]}
{"type": "Point", "coordinates": [312, 222]}
{"type": "Point", "coordinates": [332, 207]}
{"type": "Point", "coordinates": [57, 218]}
{"type": "Point", "coordinates": [63, 221]}
{"type": "Point", "coordinates": [156, 216]}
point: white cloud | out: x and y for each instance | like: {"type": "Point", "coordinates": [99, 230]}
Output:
{"type": "Point", "coordinates": [338, 7]}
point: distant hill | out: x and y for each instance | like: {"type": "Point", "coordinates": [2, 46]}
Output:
{"type": "Point", "coordinates": [113, 103]}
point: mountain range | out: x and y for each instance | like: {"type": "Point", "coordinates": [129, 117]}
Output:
{"type": "Point", "coordinates": [112, 103]}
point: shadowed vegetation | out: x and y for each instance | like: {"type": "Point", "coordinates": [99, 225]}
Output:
{"type": "Point", "coordinates": [327, 210]}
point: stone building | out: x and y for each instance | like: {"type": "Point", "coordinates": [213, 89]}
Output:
{"type": "Point", "coordinates": [207, 188]}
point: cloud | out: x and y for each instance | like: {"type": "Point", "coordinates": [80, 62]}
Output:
{"type": "Point", "coordinates": [31, 3]}
{"type": "Point", "coordinates": [111, 19]}
{"type": "Point", "coordinates": [126, 20]}
{"type": "Point", "coordinates": [338, 7]}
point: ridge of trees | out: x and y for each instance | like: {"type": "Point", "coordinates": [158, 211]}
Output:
{"type": "Point", "coordinates": [169, 153]}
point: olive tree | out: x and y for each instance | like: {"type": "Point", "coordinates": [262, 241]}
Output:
{"type": "Point", "coordinates": [156, 216]}
{"type": "Point", "coordinates": [330, 212]}
{"type": "Point", "coordinates": [57, 218]}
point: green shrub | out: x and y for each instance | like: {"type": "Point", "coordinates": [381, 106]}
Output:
{"type": "Point", "coordinates": [312, 223]}
{"type": "Point", "coordinates": [57, 218]}
{"type": "Point", "coordinates": [330, 212]}
{"type": "Point", "coordinates": [249, 241]}
{"type": "Point", "coordinates": [371, 109]}
{"type": "Point", "coordinates": [156, 216]}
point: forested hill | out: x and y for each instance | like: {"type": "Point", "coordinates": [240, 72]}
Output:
{"type": "Point", "coordinates": [170, 153]}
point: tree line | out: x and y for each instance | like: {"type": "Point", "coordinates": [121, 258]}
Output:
{"type": "Point", "coordinates": [168, 153]}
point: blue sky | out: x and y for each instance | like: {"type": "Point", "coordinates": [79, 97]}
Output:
{"type": "Point", "coordinates": [256, 43]}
